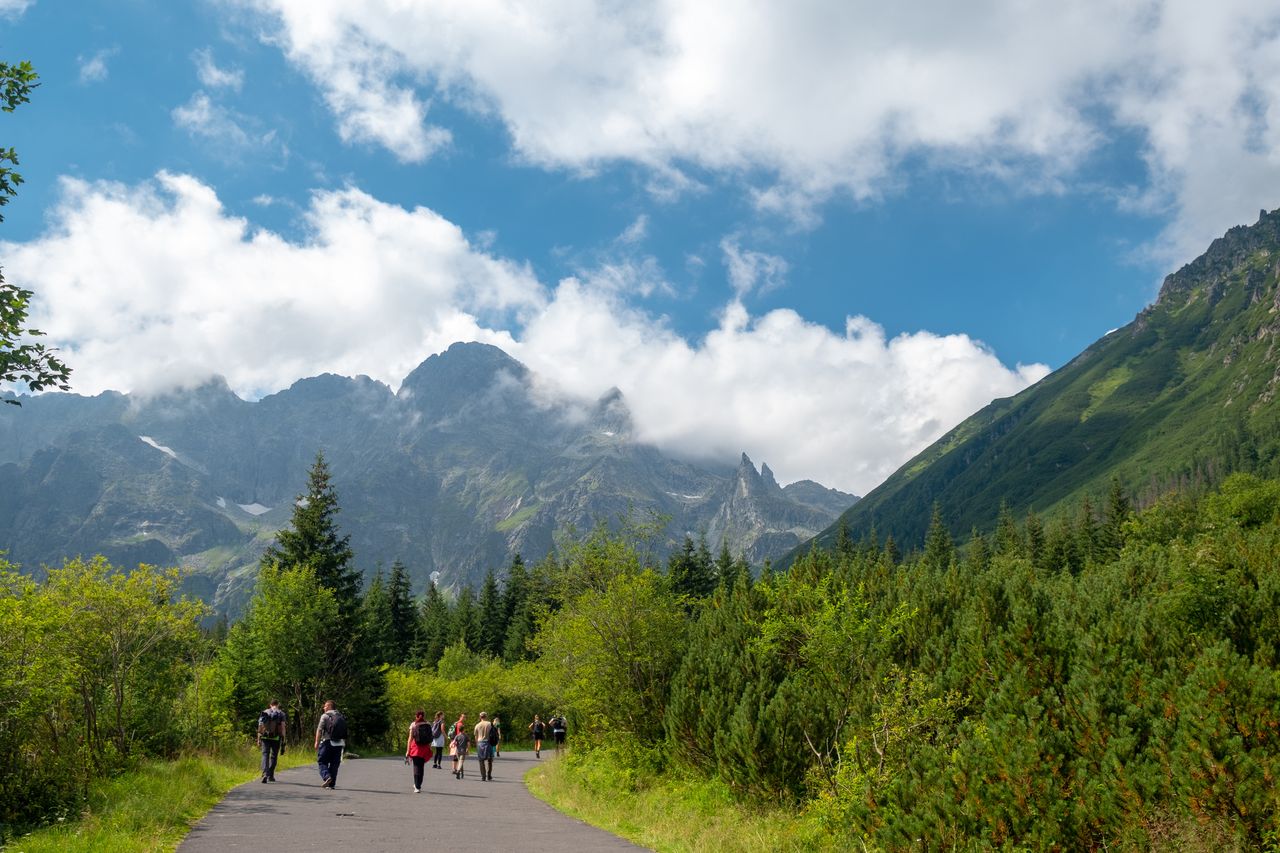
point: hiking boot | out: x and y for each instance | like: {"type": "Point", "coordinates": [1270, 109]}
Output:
{"type": "Point", "coordinates": [264, 779]}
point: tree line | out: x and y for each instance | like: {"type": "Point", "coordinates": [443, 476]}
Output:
{"type": "Point", "coordinates": [1109, 679]}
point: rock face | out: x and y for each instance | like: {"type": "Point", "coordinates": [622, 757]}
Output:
{"type": "Point", "coordinates": [1184, 394]}
{"type": "Point", "coordinates": [467, 463]}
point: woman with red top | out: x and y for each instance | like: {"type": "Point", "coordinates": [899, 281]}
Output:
{"type": "Point", "coordinates": [418, 748]}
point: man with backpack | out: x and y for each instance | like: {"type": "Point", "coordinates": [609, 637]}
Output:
{"type": "Point", "coordinates": [331, 739]}
{"type": "Point", "coordinates": [485, 743]}
{"type": "Point", "coordinates": [271, 725]}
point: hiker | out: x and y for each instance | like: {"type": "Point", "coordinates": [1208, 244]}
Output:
{"type": "Point", "coordinates": [418, 750]}
{"type": "Point", "coordinates": [538, 728]}
{"type": "Point", "coordinates": [558, 729]}
{"type": "Point", "coordinates": [458, 728]}
{"type": "Point", "coordinates": [485, 740]}
{"type": "Point", "coordinates": [459, 749]}
{"type": "Point", "coordinates": [331, 739]}
{"type": "Point", "coordinates": [271, 726]}
{"type": "Point", "coordinates": [437, 739]}
{"type": "Point", "coordinates": [496, 740]}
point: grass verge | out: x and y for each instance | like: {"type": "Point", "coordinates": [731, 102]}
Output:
{"type": "Point", "coordinates": [669, 813]}
{"type": "Point", "coordinates": [151, 808]}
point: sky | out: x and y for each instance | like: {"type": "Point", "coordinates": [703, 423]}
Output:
{"type": "Point", "coordinates": [821, 232]}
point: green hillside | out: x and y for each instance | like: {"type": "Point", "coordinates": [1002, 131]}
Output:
{"type": "Point", "coordinates": [1184, 393]}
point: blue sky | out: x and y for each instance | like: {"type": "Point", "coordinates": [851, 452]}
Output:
{"type": "Point", "coordinates": [819, 232]}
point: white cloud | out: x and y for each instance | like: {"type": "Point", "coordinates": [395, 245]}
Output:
{"type": "Point", "coordinates": [222, 128]}
{"type": "Point", "coordinates": [827, 96]}
{"type": "Point", "coordinates": [751, 270]}
{"type": "Point", "coordinates": [93, 69]}
{"type": "Point", "coordinates": [155, 285]}
{"type": "Point", "coordinates": [213, 77]}
{"type": "Point", "coordinates": [14, 8]}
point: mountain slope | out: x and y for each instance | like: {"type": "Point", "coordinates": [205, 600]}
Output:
{"type": "Point", "coordinates": [465, 464]}
{"type": "Point", "coordinates": [1185, 391]}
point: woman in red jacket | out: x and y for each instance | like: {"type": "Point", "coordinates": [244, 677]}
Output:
{"type": "Point", "coordinates": [419, 747]}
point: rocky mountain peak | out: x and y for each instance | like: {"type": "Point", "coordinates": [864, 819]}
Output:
{"type": "Point", "coordinates": [451, 380]}
{"type": "Point", "coordinates": [1224, 257]}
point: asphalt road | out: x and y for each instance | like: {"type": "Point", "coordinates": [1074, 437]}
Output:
{"type": "Point", "coordinates": [373, 808]}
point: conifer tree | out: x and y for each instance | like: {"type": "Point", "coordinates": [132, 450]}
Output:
{"type": "Point", "coordinates": [690, 571]}
{"type": "Point", "coordinates": [312, 539]}
{"type": "Point", "coordinates": [939, 549]}
{"type": "Point", "coordinates": [726, 568]}
{"type": "Point", "coordinates": [493, 625]}
{"type": "Point", "coordinates": [434, 628]}
{"type": "Point", "coordinates": [892, 555]}
{"type": "Point", "coordinates": [403, 615]}
{"type": "Point", "coordinates": [376, 619]}
{"type": "Point", "coordinates": [464, 622]}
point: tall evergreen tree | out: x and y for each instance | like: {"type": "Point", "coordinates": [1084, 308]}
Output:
{"type": "Point", "coordinates": [690, 570]}
{"type": "Point", "coordinates": [403, 615]}
{"type": "Point", "coordinates": [312, 539]}
{"type": "Point", "coordinates": [348, 654]}
{"type": "Point", "coordinates": [376, 619]}
{"type": "Point", "coordinates": [434, 628]}
{"type": "Point", "coordinates": [464, 623]}
{"type": "Point", "coordinates": [493, 624]}
{"type": "Point", "coordinates": [939, 549]}
{"type": "Point", "coordinates": [725, 573]}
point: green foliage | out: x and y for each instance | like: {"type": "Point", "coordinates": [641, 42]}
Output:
{"type": "Point", "coordinates": [92, 662]}
{"type": "Point", "coordinates": [21, 360]}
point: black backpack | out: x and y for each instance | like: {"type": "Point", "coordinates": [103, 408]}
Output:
{"type": "Point", "coordinates": [421, 733]}
{"type": "Point", "coordinates": [338, 730]}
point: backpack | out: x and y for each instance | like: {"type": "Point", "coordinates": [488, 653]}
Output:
{"type": "Point", "coordinates": [269, 724]}
{"type": "Point", "coordinates": [338, 729]}
{"type": "Point", "coordinates": [437, 729]}
{"type": "Point", "coordinates": [422, 733]}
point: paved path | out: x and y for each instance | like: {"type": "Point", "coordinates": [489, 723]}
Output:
{"type": "Point", "coordinates": [374, 809]}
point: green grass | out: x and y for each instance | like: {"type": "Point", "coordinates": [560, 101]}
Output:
{"type": "Point", "coordinates": [669, 813]}
{"type": "Point", "coordinates": [153, 807]}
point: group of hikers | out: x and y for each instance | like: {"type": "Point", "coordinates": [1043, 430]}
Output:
{"type": "Point", "coordinates": [427, 742]}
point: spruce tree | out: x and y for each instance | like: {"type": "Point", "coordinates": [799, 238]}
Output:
{"type": "Point", "coordinates": [433, 628]}
{"type": "Point", "coordinates": [376, 619]}
{"type": "Point", "coordinates": [312, 539]}
{"type": "Point", "coordinates": [939, 549]}
{"type": "Point", "coordinates": [404, 617]}
{"type": "Point", "coordinates": [493, 625]}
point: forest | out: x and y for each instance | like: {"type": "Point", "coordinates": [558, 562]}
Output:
{"type": "Point", "coordinates": [1111, 678]}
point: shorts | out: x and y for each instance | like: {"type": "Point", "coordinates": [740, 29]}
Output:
{"type": "Point", "coordinates": [559, 736]}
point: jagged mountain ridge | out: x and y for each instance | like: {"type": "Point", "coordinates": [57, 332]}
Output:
{"type": "Point", "coordinates": [466, 463]}
{"type": "Point", "coordinates": [1185, 392]}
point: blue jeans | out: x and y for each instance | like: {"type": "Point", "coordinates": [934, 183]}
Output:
{"type": "Point", "coordinates": [328, 757]}
{"type": "Point", "coordinates": [270, 753]}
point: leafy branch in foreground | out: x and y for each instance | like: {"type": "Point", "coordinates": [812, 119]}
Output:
{"type": "Point", "coordinates": [32, 364]}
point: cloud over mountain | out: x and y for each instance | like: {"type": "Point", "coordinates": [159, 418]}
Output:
{"type": "Point", "coordinates": [156, 285]}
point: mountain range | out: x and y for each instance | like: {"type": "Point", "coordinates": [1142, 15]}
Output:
{"type": "Point", "coordinates": [1183, 395]}
{"type": "Point", "coordinates": [468, 462]}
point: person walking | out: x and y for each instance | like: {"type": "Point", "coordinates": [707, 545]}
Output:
{"type": "Point", "coordinates": [271, 727]}
{"type": "Point", "coordinates": [418, 749]}
{"type": "Point", "coordinates": [458, 728]}
{"type": "Point", "coordinates": [497, 736]}
{"type": "Point", "coordinates": [461, 744]}
{"type": "Point", "coordinates": [558, 731]}
{"type": "Point", "coordinates": [539, 729]}
{"type": "Point", "coordinates": [331, 739]}
{"type": "Point", "coordinates": [437, 739]}
{"type": "Point", "coordinates": [485, 740]}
